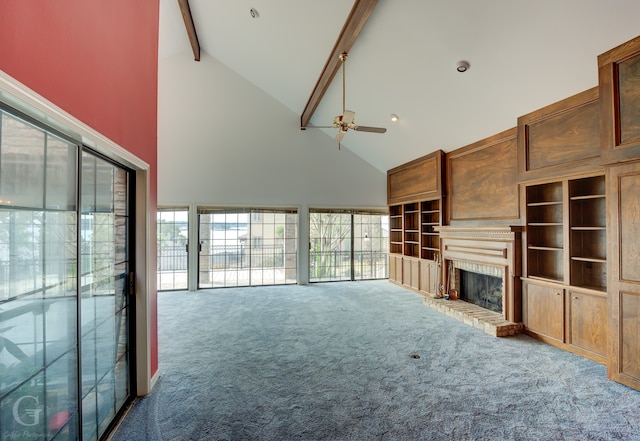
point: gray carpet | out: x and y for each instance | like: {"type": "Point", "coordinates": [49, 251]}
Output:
{"type": "Point", "coordinates": [338, 361]}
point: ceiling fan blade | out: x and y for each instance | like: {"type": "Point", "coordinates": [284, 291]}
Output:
{"type": "Point", "coordinates": [369, 129]}
{"type": "Point", "coordinates": [340, 135]}
{"type": "Point", "coordinates": [320, 127]}
{"type": "Point", "coordinates": [348, 116]}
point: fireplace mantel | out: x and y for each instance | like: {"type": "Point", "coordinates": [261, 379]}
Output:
{"type": "Point", "coordinates": [496, 246]}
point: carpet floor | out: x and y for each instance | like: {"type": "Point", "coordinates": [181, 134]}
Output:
{"type": "Point", "coordinates": [362, 361]}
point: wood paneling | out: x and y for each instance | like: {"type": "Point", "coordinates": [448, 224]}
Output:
{"type": "Point", "coordinates": [415, 180]}
{"type": "Point", "coordinates": [623, 274]}
{"type": "Point", "coordinates": [561, 138]}
{"type": "Point", "coordinates": [619, 85]}
{"type": "Point", "coordinates": [482, 180]}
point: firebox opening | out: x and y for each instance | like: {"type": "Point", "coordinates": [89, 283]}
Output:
{"type": "Point", "coordinates": [482, 290]}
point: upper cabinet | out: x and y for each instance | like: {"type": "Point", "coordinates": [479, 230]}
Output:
{"type": "Point", "coordinates": [561, 138]}
{"type": "Point", "coordinates": [417, 180]}
{"type": "Point", "coordinates": [619, 82]}
{"type": "Point", "coordinates": [482, 182]}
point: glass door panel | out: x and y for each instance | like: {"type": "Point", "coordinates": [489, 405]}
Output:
{"type": "Point", "coordinates": [38, 289]}
{"type": "Point", "coordinates": [104, 312]}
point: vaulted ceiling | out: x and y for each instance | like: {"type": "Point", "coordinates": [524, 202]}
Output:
{"type": "Point", "coordinates": [523, 55]}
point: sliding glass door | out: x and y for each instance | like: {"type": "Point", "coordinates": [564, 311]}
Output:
{"type": "Point", "coordinates": [247, 247]}
{"type": "Point", "coordinates": [64, 310]}
{"type": "Point", "coordinates": [104, 287]}
{"type": "Point", "coordinates": [348, 245]}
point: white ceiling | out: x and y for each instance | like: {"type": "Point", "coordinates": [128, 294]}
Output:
{"type": "Point", "coordinates": [524, 55]}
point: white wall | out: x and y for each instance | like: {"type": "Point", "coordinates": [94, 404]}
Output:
{"type": "Point", "coordinates": [222, 141]}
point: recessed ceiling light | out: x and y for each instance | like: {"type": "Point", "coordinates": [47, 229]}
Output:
{"type": "Point", "coordinates": [394, 117]}
{"type": "Point", "coordinates": [254, 13]}
{"type": "Point", "coordinates": [462, 66]}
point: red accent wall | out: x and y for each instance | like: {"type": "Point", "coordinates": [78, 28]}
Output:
{"type": "Point", "coordinates": [98, 61]}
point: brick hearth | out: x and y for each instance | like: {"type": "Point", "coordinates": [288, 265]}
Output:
{"type": "Point", "coordinates": [490, 322]}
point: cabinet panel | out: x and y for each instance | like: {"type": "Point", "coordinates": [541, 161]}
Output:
{"type": "Point", "coordinates": [418, 179]}
{"type": "Point", "coordinates": [629, 88]}
{"type": "Point", "coordinates": [623, 242]}
{"type": "Point", "coordinates": [561, 138]}
{"type": "Point", "coordinates": [629, 335]}
{"type": "Point", "coordinates": [588, 322]}
{"type": "Point", "coordinates": [544, 310]}
{"type": "Point", "coordinates": [619, 88]}
{"type": "Point", "coordinates": [629, 222]}
{"type": "Point", "coordinates": [395, 268]}
{"type": "Point", "coordinates": [482, 179]}
{"type": "Point", "coordinates": [428, 276]}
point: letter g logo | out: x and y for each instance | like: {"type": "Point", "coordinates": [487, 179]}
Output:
{"type": "Point", "coordinates": [33, 413]}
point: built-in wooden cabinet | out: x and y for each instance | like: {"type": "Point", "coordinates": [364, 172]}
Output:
{"type": "Point", "coordinates": [566, 264]}
{"type": "Point", "coordinates": [415, 209]}
{"type": "Point", "coordinates": [567, 317]}
{"type": "Point", "coordinates": [619, 85]}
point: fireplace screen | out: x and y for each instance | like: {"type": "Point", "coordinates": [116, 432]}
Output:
{"type": "Point", "coordinates": [482, 290]}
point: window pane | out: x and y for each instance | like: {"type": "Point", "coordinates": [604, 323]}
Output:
{"type": "Point", "coordinates": [172, 238]}
{"type": "Point", "coordinates": [21, 163]}
{"type": "Point", "coordinates": [61, 172]}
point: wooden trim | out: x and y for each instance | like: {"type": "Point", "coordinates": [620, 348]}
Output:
{"type": "Point", "coordinates": [620, 53]}
{"type": "Point", "coordinates": [358, 16]}
{"type": "Point", "coordinates": [191, 28]}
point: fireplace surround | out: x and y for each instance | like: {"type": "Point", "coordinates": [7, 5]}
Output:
{"type": "Point", "coordinates": [490, 250]}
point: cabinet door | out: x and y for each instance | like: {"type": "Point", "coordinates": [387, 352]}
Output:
{"type": "Point", "coordinates": [623, 271]}
{"type": "Point", "coordinates": [428, 276]}
{"type": "Point", "coordinates": [411, 272]}
{"type": "Point", "coordinates": [544, 310]}
{"type": "Point", "coordinates": [588, 322]}
{"type": "Point", "coordinates": [395, 268]}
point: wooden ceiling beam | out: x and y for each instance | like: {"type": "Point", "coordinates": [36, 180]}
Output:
{"type": "Point", "coordinates": [358, 16]}
{"type": "Point", "coordinates": [191, 28]}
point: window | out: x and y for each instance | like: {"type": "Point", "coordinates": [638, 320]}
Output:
{"type": "Point", "coordinates": [173, 237]}
{"type": "Point", "coordinates": [247, 247]}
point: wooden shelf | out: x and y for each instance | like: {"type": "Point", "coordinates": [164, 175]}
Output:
{"type": "Point", "coordinates": [543, 204]}
{"type": "Point", "coordinates": [589, 259]}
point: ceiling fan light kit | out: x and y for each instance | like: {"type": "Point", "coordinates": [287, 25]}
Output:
{"type": "Point", "coordinates": [346, 121]}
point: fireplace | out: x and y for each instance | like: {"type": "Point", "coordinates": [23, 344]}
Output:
{"type": "Point", "coordinates": [483, 265]}
{"type": "Point", "coordinates": [481, 289]}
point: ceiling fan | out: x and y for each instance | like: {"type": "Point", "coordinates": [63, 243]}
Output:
{"type": "Point", "coordinates": [346, 121]}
